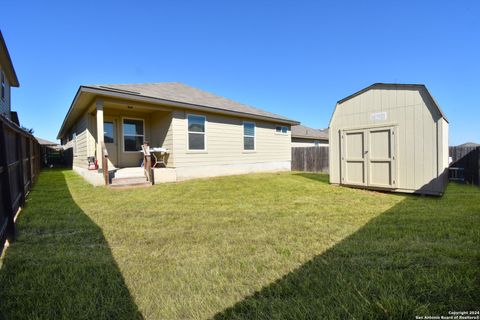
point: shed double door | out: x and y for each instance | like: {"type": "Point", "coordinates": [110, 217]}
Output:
{"type": "Point", "coordinates": [368, 157]}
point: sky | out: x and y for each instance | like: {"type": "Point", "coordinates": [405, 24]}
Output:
{"type": "Point", "coordinates": [294, 58]}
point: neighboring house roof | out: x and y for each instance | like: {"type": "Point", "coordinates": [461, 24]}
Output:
{"type": "Point", "coordinates": [177, 95]}
{"type": "Point", "coordinates": [7, 64]}
{"type": "Point", "coordinates": [304, 132]}
{"type": "Point", "coordinates": [396, 86]}
{"type": "Point", "coordinates": [44, 142]}
{"type": "Point", "coordinates": [469, 144]}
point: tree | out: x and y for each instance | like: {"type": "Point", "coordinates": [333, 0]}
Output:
{"type": "Point", "coordinates": [31, 131]}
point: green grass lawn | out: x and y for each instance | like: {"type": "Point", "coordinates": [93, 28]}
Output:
{"type": "Point", "coordinates": [260, 246]}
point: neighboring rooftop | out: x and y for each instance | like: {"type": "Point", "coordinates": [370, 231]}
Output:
{"type": "Point", "coordinates": [469, 145]}
{"type": "Point", "coordinates": [44, 142]}
{"type": "Point", "coordinates": [304, 132]}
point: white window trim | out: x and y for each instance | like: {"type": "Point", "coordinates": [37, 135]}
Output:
{"type": "Point", "coordinates": [281, 133]}
{"type": "Point", "coordinates": [123, 133]}
{"type": "Point", "coordinates": [74, 139]}
{"type": "Point", "coordinates": [204, 150]}
{"type": "Point", "coordinates": [254, 137]}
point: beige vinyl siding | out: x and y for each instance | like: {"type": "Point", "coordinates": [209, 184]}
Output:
{"type": "Point", "coordinates": [162, 133]}
{"type": "Point", "coordinates": [417, 124]}
{"type": "Point", "coordinates": [224, 142]}
{"type": "Point", "coordinates": [168, 128]}
{"type": "Point", "coordinates": [5, 106]}
{"type": "Point", "coordinates": [80, 153]}
{"type": "Point", "coordinates": [443, 150]}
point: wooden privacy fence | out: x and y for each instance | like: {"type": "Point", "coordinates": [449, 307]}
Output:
{"type": "Point", "coordinates": [311, 159]}
{"type": "Point", "coordinates": [466, 161]}
{"type": "Point", "coordinates": [20, 161]}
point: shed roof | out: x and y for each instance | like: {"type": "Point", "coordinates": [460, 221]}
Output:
{"type": "Point", "coordinates": [396, 86]}
{"type": "Point", "coordinates": [300, 131]}
{"type": "Point", "coordinates": [6, 61]}
{"type": "Point", "coordinates": [175, 93]}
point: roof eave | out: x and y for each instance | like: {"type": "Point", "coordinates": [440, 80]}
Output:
{"type": "Point", "coordinates": [62, 128]}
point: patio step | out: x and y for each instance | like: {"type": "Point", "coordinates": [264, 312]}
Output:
{"type": "Point", "coordinates": [130, 185]}
{"type": "Point", "coordinates": [129, 172]}
{"type": "Point", "coordinates": [129, 177]}
{"type": "Point", "coordinates": [129, 180]}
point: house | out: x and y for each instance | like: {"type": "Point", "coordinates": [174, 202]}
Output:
{"type": "Point", "coordinates": [205, 134]}
{"type": "Point", "coordinates": [8, 79]}
{"type": "Point", "coordinates": [303, 136]}
{"type": "Point", "coordinates": [391, 137]}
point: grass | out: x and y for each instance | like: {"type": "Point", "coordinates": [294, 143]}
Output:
{"type": "Point", "coordinates": [261, 246]}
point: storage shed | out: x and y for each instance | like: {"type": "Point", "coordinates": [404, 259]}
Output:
{"type": "Point", "coordinates": [390, 137]}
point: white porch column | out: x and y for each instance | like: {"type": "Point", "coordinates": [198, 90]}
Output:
{"type": "Point", "coordinates": [99, 104]}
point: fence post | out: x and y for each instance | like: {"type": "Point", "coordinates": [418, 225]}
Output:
{"type": "Point", "coordinates": [305, 151]}
{"type": "Point", "coordinates": [21, 183]}
{"type": "Point", "coordinates": [28, 151]}
{"type": "Point", "coordinates": [478, 166]}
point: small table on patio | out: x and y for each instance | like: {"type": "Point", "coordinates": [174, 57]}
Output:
{"type": "Point", "coordinates": [158, 155]}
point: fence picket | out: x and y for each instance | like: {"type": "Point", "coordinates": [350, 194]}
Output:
{"type": "Point", "coordinates": [310, 159]}
{"type": "Point", "coordinates": [467, 158]}
{"type": "Point", "coordinates": [19, 170]}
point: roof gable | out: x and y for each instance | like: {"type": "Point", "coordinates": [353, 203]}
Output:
{"type": "Point", "coordinates": [7, 64]}
{"type": "Point", "coordinates": [421, 87]}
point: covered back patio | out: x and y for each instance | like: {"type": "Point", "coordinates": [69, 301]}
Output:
{"type": "Point", "coordinates": [123, 127]}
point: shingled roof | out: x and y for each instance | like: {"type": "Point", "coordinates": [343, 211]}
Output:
{"type": "Point", "coordinates": [179, 92]}
{"type": "Point", "coordinates": [304, 132]}
{"type": "Point", "coordinates": [173, 94]}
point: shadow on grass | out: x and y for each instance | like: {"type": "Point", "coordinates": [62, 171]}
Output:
{"type": "Point", "coordinates": [421, 257]}
{"type": "Point", "coordinates": [61, 267]}
{"type": "Point", "coordinates": [319, 177]}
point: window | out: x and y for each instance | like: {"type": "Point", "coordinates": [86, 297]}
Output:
{"type": "Point", "coordinates": [3, 85]}
{"type": "Point", "coordinates": [196, 132]}
{"type": "Point", "coordinates": [281, 129]}
{"type": "Point", "coordinates": [74, 138]}
{"type": "Point", "coordinates": [108, 135]}
{"type": "Point", "coordinates": [133, 135]}
{"type": "Point", "coordinates": [317, 143]}
{"type": "Point", "coordinates": [248, 135]}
